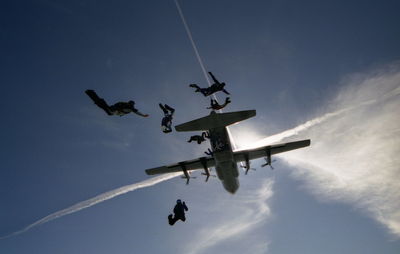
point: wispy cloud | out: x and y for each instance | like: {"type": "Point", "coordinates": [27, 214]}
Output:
{"type": "Point", "coordinates": [95, 200]}
{"type": "Point", "coordinates": [354, 152]}
{"type": "Point", "coordinates": [253, 211]}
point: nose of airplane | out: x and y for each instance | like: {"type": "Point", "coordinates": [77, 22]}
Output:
{"type": "Point", "coordinates": [231, 188]}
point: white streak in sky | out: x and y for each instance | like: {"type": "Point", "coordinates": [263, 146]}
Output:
{"type": "Point", "coordinates": [250, 211]}
{"type": "Point", "coordinates": [95, 200]}
{"type": "Point", "coordinates": [354, 152]}
{"type": "Point", "coordinates": [189, 34]}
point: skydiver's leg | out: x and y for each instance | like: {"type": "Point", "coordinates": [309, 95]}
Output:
{"type": "Point", "coordinates": [214, 79]}
{"type": "Point", "coordinates": [171, 220]}
{"type": "Point", "coordinates": [163, 108]}
{"type": "Point", "coordinates": [100, 102]}
{"type": "Point", "coordinates": [93, 95]}
{"type": "Point", "coordinates": [172, 110]}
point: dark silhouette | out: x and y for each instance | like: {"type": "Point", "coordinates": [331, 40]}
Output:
{"type": "Point", "coordinates": [166, 122]}
{"type": "Point", "coordinates": [209, 152]}
{"type": "Point", "coordinates": [216, 106]}
{"type": "Point", "coordinates": [205, 91]}
{"type": "Point", "coordinates": [119, 108]}
{"type": "Point", "coordinates": [199, 138]}
{"type": "Point", "coordinates": [179, 212]}
{"type": "Point", "coordinates": [216, 87]}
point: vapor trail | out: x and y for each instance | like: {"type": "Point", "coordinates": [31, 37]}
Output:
{"type": "Point", "coordinates": [250, 209]}
{"type": "Point", "coordinates": [353, 157]}
{"type": "Point", "coordinates": [189, 34]}
{"type": "Point", "coordinates": [319, 120]}
{"type": "Point", "coordinates": [192, 41]}
{"type": "Point", "coordinates": [95, 200]}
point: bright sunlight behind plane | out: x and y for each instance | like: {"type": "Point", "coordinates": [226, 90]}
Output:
{"type": "Point", "coordinates": [354, 156]}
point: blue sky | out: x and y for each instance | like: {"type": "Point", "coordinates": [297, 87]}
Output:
{"type": "Point", "coordinates": [332, 64]}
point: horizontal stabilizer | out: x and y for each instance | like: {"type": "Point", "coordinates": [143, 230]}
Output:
{"type": "Point", "coordinates": [215, 120]}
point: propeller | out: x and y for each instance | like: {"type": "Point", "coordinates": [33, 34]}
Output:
{"type": "Point", "coordinates": [269, 162]}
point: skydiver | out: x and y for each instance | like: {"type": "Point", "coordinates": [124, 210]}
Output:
{"type": "Point", "coordinates": [179, 212]}
{"type": "Point", "coordinates": [216, 87]}
{"type": "Point", "coordinates": [119, 108]}
{"type": "Point", "coordinates": [216, 106]}
{"type": "Point", "coordinates": [205, 91]}
{"type": "Point", "coordinates": [209, 152]}
{"type": "Point", "coordinates": [166, 122]}
{"type": "Point", "coordinates": [199, 138]}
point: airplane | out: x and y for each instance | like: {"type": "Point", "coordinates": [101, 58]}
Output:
{"type": "Point", "coordinates": [224, 159]}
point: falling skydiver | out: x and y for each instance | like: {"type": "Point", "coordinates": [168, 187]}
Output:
{"type": "Point", "coordinates": [119, 108]}
{"type": "Point", "coordinates": [216, 87]}
{"type": "Point", "coordinates": [179, 212]}
{"type": "Point", "coordinates": [199, 138]}
{"type": "Point", "coordinates": [216, 106]}
{"type": "Point", "coordinates": [166, 122]}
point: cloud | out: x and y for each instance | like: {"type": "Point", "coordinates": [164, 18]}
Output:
{"type": "Point", "coordinates": [353, 156]}
{"type": "Point", "coordinates": [250, 210]}
{"type": "Point", "coordinates": [95, 200]}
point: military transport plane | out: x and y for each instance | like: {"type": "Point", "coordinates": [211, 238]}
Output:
{"type": "Point", "coordinates": [223, 158]}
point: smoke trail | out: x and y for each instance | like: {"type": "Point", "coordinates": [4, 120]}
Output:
{"type": "Point", "coordinates": [95, 200]}
{"type": "Point", "coordinates": [354, 153]}
{"type": "Point", "coordinates": [251, 210]}
{"type": "Point", "coordinates": [192, 41]}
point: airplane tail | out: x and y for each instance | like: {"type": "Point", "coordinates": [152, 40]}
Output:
{"type": "Point", "coordinates": [215, 120]}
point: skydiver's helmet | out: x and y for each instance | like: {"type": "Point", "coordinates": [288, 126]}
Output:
{"type": "Point", "coordinates": [132, 103]}
{"type": "Point", "coordinates": [178, 201]}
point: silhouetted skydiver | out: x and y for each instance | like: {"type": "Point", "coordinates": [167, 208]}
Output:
{"type": "Point", "coordinates": [166, 122]}
{"type": "Point", "coordinates": [205, 91]}
{"type": "Point", "coordinates": [119, 108]}
{"type": "Point", "coordinates": [209, 152]}
{"type": "Point", "coordinates": [216, 106]}
{"type": "Point", "coordinates": [216, 87]}
{"type": "Point", "coordinates": [179, 212]}
{"type": "Point", "coordinates": [199, 138]}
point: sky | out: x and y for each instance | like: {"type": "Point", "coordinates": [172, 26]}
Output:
{"type": "Point", "coordinates": [72, 178]}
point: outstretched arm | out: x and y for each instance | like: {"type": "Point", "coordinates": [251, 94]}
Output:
{"type": "Point", "coordinates": [140, 114]}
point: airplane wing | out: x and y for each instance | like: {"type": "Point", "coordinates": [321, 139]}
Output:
{"type": "Point", "coordinates": [267, 151]}
{"type": "Point", "coordinates": [185, 166]}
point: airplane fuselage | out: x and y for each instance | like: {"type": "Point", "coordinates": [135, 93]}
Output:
{"type": "Point", "coordinates": [225, 164]}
